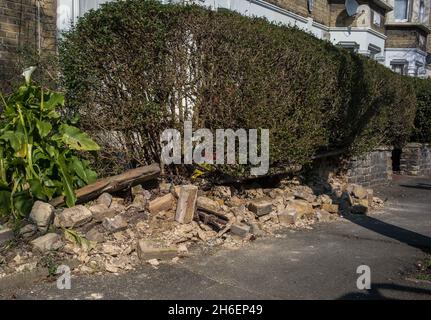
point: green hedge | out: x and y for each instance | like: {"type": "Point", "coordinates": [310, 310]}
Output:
{"type": "Point", "coordinates": [131, 65]}
{"type": "Point", "coordinates": [422, 124]}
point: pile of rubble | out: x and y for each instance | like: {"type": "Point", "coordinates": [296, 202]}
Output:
{"type": "Point", "coordinates": [162, 224]}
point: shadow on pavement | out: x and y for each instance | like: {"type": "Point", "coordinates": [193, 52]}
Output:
{"type": "Point", "coordinates": [375, 292]}
{"type": "Point", "coordinates": [424, 186]}
{"type": "Point", "coordinates": [408, 237]}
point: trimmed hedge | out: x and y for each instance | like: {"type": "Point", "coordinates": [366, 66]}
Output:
{"type": "Point", "coordinates": [133, 68]}
{"type": "Point", "coordinates": [422, 124]}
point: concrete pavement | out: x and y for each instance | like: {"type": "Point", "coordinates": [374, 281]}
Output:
{"type": "Point", "coordinates": [315, 264]}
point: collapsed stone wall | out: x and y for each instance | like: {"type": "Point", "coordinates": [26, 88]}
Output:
{"type": "Point", "coordinates": [416, 159]}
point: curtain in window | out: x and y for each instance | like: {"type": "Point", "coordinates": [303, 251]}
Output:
{"type": "Point", "coordinates": [400, 9]}
{"type": "Point", "coordinates": [85, 5]}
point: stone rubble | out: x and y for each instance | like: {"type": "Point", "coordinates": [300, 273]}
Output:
{"type": "Point", "coordinates": [42, 214]}
{"type": "Point", "coordinates": [170, 222]}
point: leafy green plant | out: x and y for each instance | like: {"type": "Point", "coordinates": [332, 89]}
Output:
{"type": "Point", "coordinates": [38, 151]}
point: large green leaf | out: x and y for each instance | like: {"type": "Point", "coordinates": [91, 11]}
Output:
{"type": "Point", "coordinates": [69, 193]}
{"type": "Point", "coordinates": [76, 139]}
{"type": "Point", "coordinates": [43, 127]}
{"type": "Point", "coordinates": [16, 139]}
{"type": "Point", "coordinates": [22, 203]}
{"type": "Point", "coordinates": [55, 99]}
{"type": "Point", "coordinates": [83, 172]}
{"type": "Point", "coordinates": [37, 190]}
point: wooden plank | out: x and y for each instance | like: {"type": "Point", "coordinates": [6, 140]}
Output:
{"type": "Point", "coordinates": [113, 184]}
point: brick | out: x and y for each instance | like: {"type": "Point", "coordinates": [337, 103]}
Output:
{"type": "Point", "coordinates": [186, 205]}
{"type": "Point", "coordinates": [331, 208]}
{"type": "Point", "coordinates": [240, 229]}
{"type": "Point", "coordinates": [288, 216]}
{"type": "Point", "coordinates": [260, 207]}
{"type": "Point", "coordinates": [148, 250]}
{"type": "Point", "coordinates": [164, 203]}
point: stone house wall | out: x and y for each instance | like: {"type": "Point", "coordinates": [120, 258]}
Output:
{"type": "Point", "coordinates": [372, 169]}
{"type": "Point", "coordinates": [416, 159]}
{"type": "Point", "coordinates": [24, 26]}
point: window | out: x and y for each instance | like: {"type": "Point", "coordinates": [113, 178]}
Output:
{"type": "Point", "coordinates": [349, 45]}
{"type": "Point", "coordinates": [399, 68]}
{"type": "Point", "coordinates": [374, 51]}
{"type": "Point", "coordinates": [377, 19]}
{"type": "Point", "coordinates": [85, 5]}
{"type": "Point", "coordinates": [310, 4]}
{"type": "Point", "coordinates": [69, 10]}
{"type": "Point", "coordinates": [401, 9]}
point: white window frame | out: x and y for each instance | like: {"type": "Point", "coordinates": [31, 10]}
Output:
{"type": "Point", "coordinates": [407, 12]}
{"type": "Point", "coordinates": [402, 64]}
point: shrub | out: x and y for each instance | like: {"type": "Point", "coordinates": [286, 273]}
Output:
{"type": "Point", "coordinates": [422, 124]}
{"type": "Point", "coordinates": [133, 68]}
{"type": "Point", "coordinates": [38, 152]}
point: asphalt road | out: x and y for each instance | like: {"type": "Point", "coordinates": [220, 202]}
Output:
{"type": "Point", "coordinates": [315, 264]}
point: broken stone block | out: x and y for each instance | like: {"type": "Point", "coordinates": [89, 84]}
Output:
{"type": "Point", "coordinates": [104, 199]}
{"type": "Point", "coordinates": [260, 206]}
{"type": "Point", "coordinates": [42, 214]}
{"type": "Point", "coordinates": [28, 231]}
{"type": "Point", "coordinates": [139, 201]}
{"type": "Point", "coordinates": [48, 242]}
{"type": "Point", "coordinates": [148, 250]}
{"type": "Point", "coordinates": [323, 215]}
{"type": "Point", "coordinates": [309, 197]}
{"type": "Point", "coordinates": [207, 203]}
{"type": "Point", "coordinates": [166, 202]}
{"type": "Point", "coordinates": [288, 217]}
{"type": "Point", "coordinates": [6, 234]}
{"type": "Point", "coordinates": [331, 208]}
{"type": "Point", "coordinates": [236, 201]}
{"type": "Point", "coordinates": [186, 206]}
{"type": "Point", "coordinates": [95, 236]}
{"type": "Point", "coordinates": [275, 193]}
{"type": "Point", "coordinates": [359, 192]}
{"type": "Point", "coordinates": [114, 224]}
{"type": "Point", "coordinates": [240, 229]}
{"type": "Point", "coordinates": [73, 217]}
{"type": "Point", "coordinates": [302, 207]}
{"type": "Point", "coordinates": [101, 211]}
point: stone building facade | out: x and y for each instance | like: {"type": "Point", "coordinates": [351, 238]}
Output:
{"type": "Point", "coordinates": [25, 26]}
{"type": "Point", "coordinates": [393, 32]}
